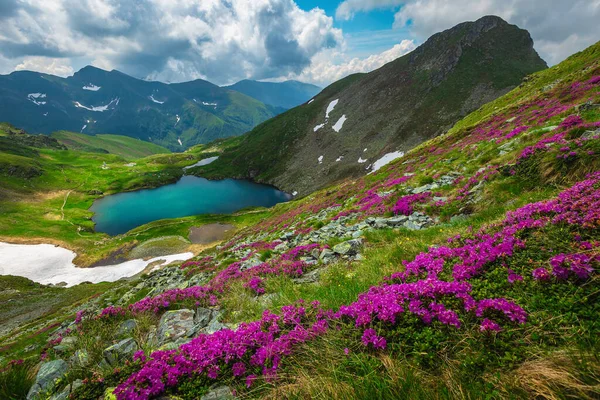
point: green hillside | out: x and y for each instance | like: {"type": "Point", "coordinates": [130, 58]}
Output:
{"type": "Point", "coordinates": [359, 119]}
{"type": "Point", "coordinates": [126, 147]}
{"type": "Point", "coordinates": [466, 269]}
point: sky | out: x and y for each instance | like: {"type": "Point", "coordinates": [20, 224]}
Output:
{"type": "Point", "coordinates": [224, 41]}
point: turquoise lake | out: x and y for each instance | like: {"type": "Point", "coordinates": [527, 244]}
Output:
{"type": "Point", "coordinates": [191, 195]}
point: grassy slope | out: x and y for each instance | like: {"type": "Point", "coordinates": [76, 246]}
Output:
{"type": "Point", "coordinates": [267, 139]}
{"type": "Point", "coordinates": [45, 195]}
{"type": "Point", "coordinates": [554, 355]}
{"type": "Point", "coordinates": [124, 146]}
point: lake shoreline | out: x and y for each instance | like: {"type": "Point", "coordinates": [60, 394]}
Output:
{"type": "Point", "coordinates": [190, 195]}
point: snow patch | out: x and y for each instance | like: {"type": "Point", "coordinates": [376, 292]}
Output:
{"type": "Point", "coordinates": [156, 101]}
{"type": "Point", "coordinates": [34, 98]}
{"type": "Point", "coordinates": [330, 107]}
{"type": "Point", "coordinates": [178, 119]}
{"type": "Point", "coordinates": [205, 103]}
{"type": "Point", "coordinates": [91, 87]}
{"type": "Point", "coordinates": [47, 263]}
{"type": "Point", "coordinates": [386, 159]}
{"type": "Point", "coordinates": [114, 102]}
{"type": "Point", "coordinates": [338, 125]}
{"type": "Point", "coordinates": [45, 114]}
{"type": "Point", "coordinates": [316, 128]}
{"type": "Point", "coordinates": [200, 163]}
{"type": "Point", "coordinates": [361, 161]}
{"type": "Point", "coordinates": [365, 150]}
{"type": "Point", "coordinates": [295, 193]}
{"type": "Point", "coordinates": [311, 100]}
{"type": "Point", "coordinates": [320, 159]}
{"type": "Point", "coordinates": [179, 140]}
{"type": "Point", "coordinates": [84, 126]}
{"type": "Point", "coordinates": [340, 158]}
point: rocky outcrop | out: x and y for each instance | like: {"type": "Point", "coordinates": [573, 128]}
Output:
{"type": "Point", "coordinates": [47, 378]}
{"type": "Point", "coordinates": [120, 351]}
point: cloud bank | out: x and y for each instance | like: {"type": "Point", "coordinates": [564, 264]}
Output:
{"type": "Point", "coordinates": [558, 27]}
{"type": "Point", "coordinates": [169, 40]}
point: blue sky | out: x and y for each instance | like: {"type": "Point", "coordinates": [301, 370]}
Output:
{"type": "Point", "coordinates": [366, 33]}
{"type": "Point", "coordinates": [224, 41]}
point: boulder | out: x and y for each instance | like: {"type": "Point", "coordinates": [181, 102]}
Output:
{"type": "Point", "coordinates": [47, 377]}
{"type": "Point", "coordinates": [309, 277]}
{"type": "Point", "coordinates": [251, 263]}
{"type": "Point", "coordinates": [126, 327]}
{"type": "Point", "coordinates": [64, 395]}
{"type": "Point", "coordinates": [327, 256]}
{"type": "Point", "coordinates": [121, 351]}
{"type": "Point", "coordinates": [396, 221]}
{"type": "Point", "coordinates": [215, 324]}
{"type": "Point", "coordinates": [348, 248]}
{"type": "Point", "coordinates": [80, 359]}
{"type": "Point", "coordinates": [219, 393]}
{"type": "Point", "coordinates": [174, 325]}
{"type": "Point", "coordinates": [202, 317]}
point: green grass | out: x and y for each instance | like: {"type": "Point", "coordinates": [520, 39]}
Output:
{"type": "Point", "coordinates": [124, 146]}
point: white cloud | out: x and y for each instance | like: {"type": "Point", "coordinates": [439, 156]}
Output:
{"type": "Point", "coordinates": [53, 66]}
{"type": "Point", "coordinates": [325, 70]}
{"type": "Point", "coordinates": [348, 8]}
{"type": "Point", "coordinates": [225, 40]}
{"type": "Point", "coordinates": [558, 27]}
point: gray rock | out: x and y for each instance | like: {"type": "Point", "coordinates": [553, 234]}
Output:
{"type": "Point", "coordinates": [281, 248]}
{"type": "Point", "coordinates": [47, 377]}
{"type": "Point", "coordinates": [202, 317]}
{"type": "Point", "coordinates": [309, 277]}
{"type": "Point", "coordinates": [219, 393]}
{"type": "Point", "coordinates": [347, 248]}
{"type": "Point", "coordinates": [121, 351]}
{"type": "Point", "coordinates": [396, 221]}
{"type": "Point", "coordinates": [287, 236]}
{"type": "Point", "coordinates": [214, 325]}
{"type": "Point", "coordinates": [327, 256]}
{"type": "Point", "coordinates": [174, 325]}
{"type": "Point", "coordinates": [126, 327]}
{"type": "Point", "coordinates": [380, 223]}
{"type": "Point", "coordinates": [413, 225]}
{"type": "Point", "coordinates": [251, 263]}
{"type": "Point", "coordinates": [315, 253]}
{"type": "Point", "coordinates": [357, 234]}
{"type": "Point", "coordinates": [80, 358]}
{"type": "Point", "coordinates": [591, 134]}
{"type": "Point", "coordinates": [64, 395]}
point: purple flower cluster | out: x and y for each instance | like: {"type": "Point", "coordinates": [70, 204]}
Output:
{"type": "Point", "coordinates": [256, 285]}
{"type": "Point", "coordinates": [255, 347]}
{"type": "Point", "coordinates": [259, 347]}
{"type": "Point", "coordinates": [404, 205]}
{"type": "Point", "coordinates": [581, 265]}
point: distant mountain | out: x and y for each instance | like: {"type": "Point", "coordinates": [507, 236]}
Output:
{"type": "Point", "coordinates": [288, 94]}
{"type": "Point", "coordinates": [96, 101]}
{"type": "Point", "coordinates": [355, 121]}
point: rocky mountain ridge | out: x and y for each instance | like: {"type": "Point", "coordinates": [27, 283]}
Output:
{"type": "Point", "coordinates": [355, 122]}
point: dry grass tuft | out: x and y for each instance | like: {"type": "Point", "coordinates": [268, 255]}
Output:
{"type": "Point", "coordinates": [560, 376]}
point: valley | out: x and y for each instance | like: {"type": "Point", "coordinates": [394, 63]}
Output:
{"type": "Point", "coordinates": [432, 232]}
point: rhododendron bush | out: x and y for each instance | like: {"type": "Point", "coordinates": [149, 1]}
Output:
{"type": "Point", "coordinates": [438, 287]}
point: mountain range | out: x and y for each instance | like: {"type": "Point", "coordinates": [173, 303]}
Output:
{"type": "Point", "coordinates": [175, 116]}
{"type": "Point", "coordinates": [360, 119]}
{"type": "Point", "coordinates": [288, 94]}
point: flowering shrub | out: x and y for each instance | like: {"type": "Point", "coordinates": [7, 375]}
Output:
{"type": "Point", "coordinates": [404, 205]}
{"type": "Point", "coordinates": [259, 347]}
{"type": "Point", "coordinates": [256, 347]}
